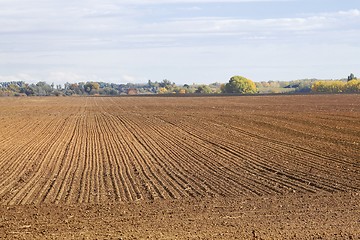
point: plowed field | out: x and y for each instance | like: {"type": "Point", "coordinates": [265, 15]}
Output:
{"type": "Point", "coordinates": [240, 160]}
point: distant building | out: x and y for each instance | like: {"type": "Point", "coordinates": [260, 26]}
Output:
{"type": "Point", "coordinates": [132, 91]}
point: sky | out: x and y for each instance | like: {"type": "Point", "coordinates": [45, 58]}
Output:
{"type": "Point", "coordinates": [184, 41]}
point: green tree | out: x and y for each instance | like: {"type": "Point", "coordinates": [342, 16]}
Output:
{"type": "Point", "coordinates": [43, 89]}
{"type": "Point", "coordinates": [203, 89]}
{"type": "Point", "coordinates": [239, 84]}
{"type": "Point", "coordinates": [166, 84]}
{"type": "Point", "coordinates": [13, 88]}
{"type": "Point", "coordinates": [351, 77]}
{"type": "Point", "coordinates": [28, 90]}
{"type": "Point", "coordinates": [91, 87]}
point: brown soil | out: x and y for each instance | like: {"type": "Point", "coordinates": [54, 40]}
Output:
{"type": "Point", "coordinates": [263, 167]}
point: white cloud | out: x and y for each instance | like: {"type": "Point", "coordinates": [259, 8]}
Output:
{"type": "Point", "coordinates": [110, 19]}
{"type": "Point", "coordinates": [350, 13]}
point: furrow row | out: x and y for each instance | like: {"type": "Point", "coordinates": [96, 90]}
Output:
{"type": "Point", "coordinates": [31, 165]}
{"type": "Point", "coordinates": [254, 159]}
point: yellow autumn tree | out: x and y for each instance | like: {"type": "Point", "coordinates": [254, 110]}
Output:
{"type": "Point", "coordinates": [162, 90]}
{"type": "Point", "coordinates": [328, 86]}
{"type": "Point", "coordinates": [353, 86]}
{"type": "Point", "coordinates": [239, 84]}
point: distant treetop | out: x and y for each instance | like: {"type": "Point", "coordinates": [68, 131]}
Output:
{"type": "Point", "coordinates": [351, 77]}
{"type": "Point", "coordinates": [239, 84]}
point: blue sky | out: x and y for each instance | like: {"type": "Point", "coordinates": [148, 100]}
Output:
{"type": "Point", "coordinates": [188, 41]}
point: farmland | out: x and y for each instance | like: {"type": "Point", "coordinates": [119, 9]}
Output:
{"type": "Point", "coordinates": [161, 156]}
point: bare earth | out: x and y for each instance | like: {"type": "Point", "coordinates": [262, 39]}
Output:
{"type": "Point", "coordinates": [253, 167]}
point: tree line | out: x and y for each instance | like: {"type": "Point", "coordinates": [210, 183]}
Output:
{"type": "Point", "coordinates": [21, 88]}
{"type": "Point", "coordinates": [352, 85]}
{"type": "Point", "coordinates": [236, 85]}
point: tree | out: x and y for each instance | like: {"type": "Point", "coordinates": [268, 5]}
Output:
{"type": "Point", "coordinates": [239, 84]}
{"type": "Point", "coordinates": [166, 84]}
{"type": "Point", "coordinates": [91, 87]}
{"type": "Point", "coordinates": [352, 86]}
{"type": "Point", "coordinates": [43, 89]}
{"type": "Point", "coordinates": [95, 86]}
{"type": "Point", "coordinates": [162, 90]}
{"type": "Point", "coordinates": [328, 86]}
{"type": "Point", "coordinates": [203, 89]}
{"type": "Point", "coordinates": [28, 90]}
{"type": "Point", "coordinates": [351, 77]}
{"type": "Point", "coordinates": [13, 88]}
